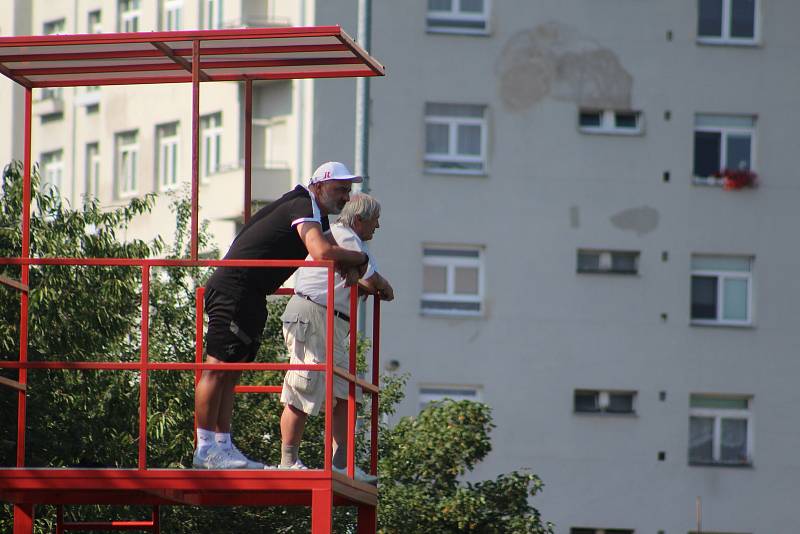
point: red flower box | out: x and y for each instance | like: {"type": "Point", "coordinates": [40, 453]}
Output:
{"type": "Point", "coordinates": [737, 179]}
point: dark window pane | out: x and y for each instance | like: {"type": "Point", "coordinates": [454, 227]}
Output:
{"type": "Point", "coordinates": [704, 297]}
{"type": "Point", "coordinates": [588, 261]}
{"type": "Point", "coordinates": [738, 152]}
{"type": "Point", "coordinates": [590, 118]}
{"type": "Point", "coordinates": [709, 18]}
{"type": "Point", "coordinates": [624, 262]}
{"type": "Point", "coordinates": [586, 401]}
{"type": "Point", "coordinates": [706, 153]}
{"type": "Point", "coordinates": [626, 120]}
{"type": "Point", "coordinates": [701, 436]}
{"type": "Point", "coordinates": [582, 531]}
{"type": "Point", "coordinates": [743, 15]}
{"type": "Point", "coordinates": [620, 403]}
{"type": "Point", "coordinates": [734, 441]}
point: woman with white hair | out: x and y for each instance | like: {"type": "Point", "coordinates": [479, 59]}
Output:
{"type": "Point", "coordinates": [304, 328]}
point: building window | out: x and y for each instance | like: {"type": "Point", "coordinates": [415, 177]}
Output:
{"type": "Point", "coordinates": [433, 394]}
{"type": "Point", "coordinates": [455, 138]}
{"type": "Point", "coordinates": [212, 14]}
{"type": "Point", "coordinates": [52, 170]}
{"type": "Point", "coordinates": [608, 261]}
{"type": "Point", "coordinates": [276, 144]}
{"type": "Point", "coordinates": [130, 13]}
{"type": "Point", "coordinates": [127, 162]}
{"type": "Point", "coordinates": [727, 21]}
{"type": "Point", "coordinates": [211, 128]}
{"type": "Point", "coordinates": [93, 170]}
{"type": "Point", "coordinates": [596, 401]}
{"type": "Point", "coordinates": [722, 142]}
{"type": "Point", "coordinates": [720, 430]}
{"type": "Point", "coordinates": [167, 156]}
{"type": "Point", "coordinates": [583, 530]}
{"type": "Point", "coordinates": [171, 13]}
{"type": "Point", "coordinates": [452, 281]}
{"type": "Point", "coordinates": [722, 290]}
{"type": "Point", "coordinates": [53, 27]}
{"type": "Point", "coordinates": [458, 16]}
{"type": "Point", "coordinates": [610, 122]}
{"type": "Point", "coordinates": [94, 22]}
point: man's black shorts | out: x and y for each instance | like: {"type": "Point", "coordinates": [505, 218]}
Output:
{"type": "Point", "coordinates": [234, 326]}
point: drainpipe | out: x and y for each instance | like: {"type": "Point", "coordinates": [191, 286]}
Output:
{"type": "Point", "coordinates": [362, 122]}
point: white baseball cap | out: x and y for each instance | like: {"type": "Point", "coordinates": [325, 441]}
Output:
{"type": "Point", "coordinates": [333, 170]}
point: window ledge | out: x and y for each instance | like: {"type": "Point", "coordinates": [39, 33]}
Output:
{"type": "Point", "coordinates": [452, 314]}
{"type": "Point", "coordinates": [612, 132]}
{"type": "Point", "coordinates": [745, 465]}
{"type": "Point", "coordinates": [624, 415]}
{"type": "Point", "coordinates": [721, 41]}
{"type": "Point", "coordinates": [632, 274]}
{"type": "Point", "coordinates": [458, 31]}
{"type": "Point", "coordinates": [456, 172]}
{"type": "Point", "coordinates": [717, 324]}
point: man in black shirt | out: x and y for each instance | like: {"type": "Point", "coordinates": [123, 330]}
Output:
{"type": "Point", "coordinates": [289, 228]}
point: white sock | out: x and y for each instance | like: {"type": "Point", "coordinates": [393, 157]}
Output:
{"type": "Point", "coordinates": [205, 439]}
{"type": "Point", "coordinates": [223, 441]}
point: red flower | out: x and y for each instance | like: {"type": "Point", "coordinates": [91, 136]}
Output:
{"type": "Point", "coordinates": [737, 178]}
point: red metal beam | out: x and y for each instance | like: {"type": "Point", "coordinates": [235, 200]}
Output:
{"type": "Point", "coordinates": [10, 282]}
{"type": "Point", "coordinates": [185, 65]}
{"type": "Point", "coordinates": [22, 80]}
{"type": "Point", "coordinates": [146, 53]}
{"type": "Point", "coordinates": [26, 253]}
{"type": "Point", "coordinates": [162, 366]}
{"type": "Point", "coordinates": [376, 361]}
{"type": "Point", "coordinates": [248, 148]}
{"type": "Point", "coordinates": [143, 371]}
{"type": "Point", "coordinates": [195, 143]}
{"type": "Point", "coordinates": [351, 390]}
{"type": "Point", "coordinates": [329, 364]}
{"type": "Point", "coordinates": [162, 262]}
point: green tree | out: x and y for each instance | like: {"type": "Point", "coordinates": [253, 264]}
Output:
{"type": "Point", "coordinates": [90, 418]}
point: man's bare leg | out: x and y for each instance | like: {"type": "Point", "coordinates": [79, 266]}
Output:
{"type": "Point", "coordinates": [293, 423]}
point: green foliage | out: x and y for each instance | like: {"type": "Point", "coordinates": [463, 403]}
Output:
{"type": "Point", "coordinates": [90, 418]}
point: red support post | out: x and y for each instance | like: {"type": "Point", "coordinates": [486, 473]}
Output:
{"type": "Point", "coordinates": [367, 519]}
{"type": "Point", "coordinates": [376, 376]}
{"type": "Point", "coordinates": [143, 372]}
{"type": "Point", "coordinates": [329, 373]}
{"type": "Point", "coordinates": [351, 390]}
{"type": "Point", "coordinates": [157, 520]}
{"type": "Point", "coordinates": [248, 148]}
{"type": "Point", "coordinates": [23, 518]}
{"type": "Point", "coordinates": [22, 401]}
{"type": "Point", "coordinates": [321, 507]}
{"type": "Point", "coordinates": [195, 142]}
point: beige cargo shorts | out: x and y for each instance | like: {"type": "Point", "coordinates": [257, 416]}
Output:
{"type": "Point", "coordinates": [304, 327]}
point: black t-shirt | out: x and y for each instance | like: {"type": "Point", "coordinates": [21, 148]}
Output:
{"type": "Point", "coordinates": [269, 235]}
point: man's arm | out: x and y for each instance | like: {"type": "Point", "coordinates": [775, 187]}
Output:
{"type": "Point", "coordinates": [377, 285]}
{"type": "Point", "coordinates": [320, 248]}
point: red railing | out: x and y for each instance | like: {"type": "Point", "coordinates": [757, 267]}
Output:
{"type": "Point", "coordinates": [145, 366]}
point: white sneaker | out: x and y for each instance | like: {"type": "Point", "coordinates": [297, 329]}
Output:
{"type": "Point", "coordinates": [296, 465]}
{"type": "Point", "coordinates": [216, 458]}
{"type": "Point", "coordinates": [249, 464]}
{"type": "Point", "coordinates": [359, 473]}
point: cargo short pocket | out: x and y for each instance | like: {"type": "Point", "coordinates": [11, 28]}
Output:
{"type": "Point", "coordinates": [305, 382]}
{"type": "Point", "coordinates": [295, 326]}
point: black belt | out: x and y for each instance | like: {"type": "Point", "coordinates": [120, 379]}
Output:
{"type": "Point", "coordinates": [337, 313]}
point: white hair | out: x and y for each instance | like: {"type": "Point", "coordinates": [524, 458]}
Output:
{"type": "Point", "coordinates": [361, 206]}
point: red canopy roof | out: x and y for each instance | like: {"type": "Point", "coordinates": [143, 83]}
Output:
{"type": "Point", "coordinates": [166, 57]}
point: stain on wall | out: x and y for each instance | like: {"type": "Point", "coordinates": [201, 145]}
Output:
{"type": "Point", "coordinates": [574, 217]}
{"type": "Point", "coordinates": [641, 220]}
{"type": "Point", "coordinates": [555, 60]}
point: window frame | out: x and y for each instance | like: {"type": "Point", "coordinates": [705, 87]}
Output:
{"type": "Point", "coordinates": [168, 156]}
{"type": "Point", "coordinates": [427, 397]}
{"type": "Point", "coordinates": [129, 15]}
{"type": "Point", "coordinates": [604, 401]}
{"type": "Point", "coordinates": [167, 8]}
{"type": "Point", "coordinates": [718, 414]}
{"type": "Point", "coordinates": [456, 15]}
{"type": "Point", "coordinates": [727, 20]}
{"type": "Point", "coordinates": [211, 12]}
{"type": "Point", "coordinates": [724, 132]}
{"type": "Point", "coordinates": [452, 156]}
{"type": "Point", "coordinates": [94, 21]}
{"type": "Point", "coordinates": [92, 171]}
{"type": "Point", "coordinates": [449, 296]}
{"type": "Point", "coordinates": [53, 27]}
{"type": "Point", "coordinates": [600, 252]}
{"type": "Point", "coordinates": [211, 136]}
{"type": "Point", "coordinates": [127, 183]}
{"type": "Point", "coordinates": [721, 276]}
{"type": "Point", "coordinates": [608, 122]}
{"type": "Point", "coordinates": [52, 169]}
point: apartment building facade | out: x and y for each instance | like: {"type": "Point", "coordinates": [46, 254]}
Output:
{"type": "Point", "coordinates": [567, 220]}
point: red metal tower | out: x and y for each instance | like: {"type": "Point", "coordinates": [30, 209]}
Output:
{"type": "Point", "coordinates": [183, 57]}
